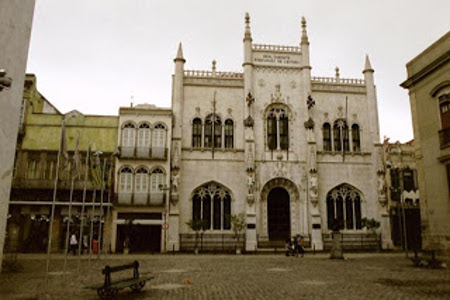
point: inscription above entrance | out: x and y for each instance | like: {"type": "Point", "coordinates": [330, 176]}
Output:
{"type": "Point", "coordinates": [277, 59]}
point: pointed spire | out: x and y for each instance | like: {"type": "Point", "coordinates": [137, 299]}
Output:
{"type": "Point", "coordinates": [248, 33]}
{"type": "Point", "coordinates": [214, 67]}
{"type": "Point", "coordinates": [304, 33]}
{"type": "Point", "coordinates": [179, 54]}
{"type": "Point", "coordinates": [368, 66]}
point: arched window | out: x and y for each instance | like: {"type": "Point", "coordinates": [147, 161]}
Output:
{"type": "Point", "coordinates": [344, 208]}
{"type": "Point", "coordinates": [277, 129]}
{"type": "Point", "coordinates": [156, 180]}
{"type": "Point", "coordinates": [444, 105]}
{"type": "Point", "coordinates": [340, 131]}
{"type": "Point", "coordinates": [125, 180]}
{"type": "Point", "coordinates": [128, 135]}
{"type": "Point", "coordinates": [272, 132]}
{"type": "Point", "coordinates": [144, 135]}
{"type": "Point", "coordinates": [212, 204]}
{"type": "Point", "coordinates": [444, 109]}
{"type": "Point", "coordinates": [208, 133]}
{"type": "Point", "coordinates": [197, 133]}
{"type": "Point", "coordinates": [213, 132]}
{"type": "Point", "coordinates": [229, 134]}
{"type": "Point", "coordinates": [326, 132]}
{"type": "Point", "coordinates": [284, 132]}
{"type": "Point", "coordinates": [159, 141]}
{"type": "Point", "coordinates": [356, 138]}
{"type": "Point", "coordinates": [218, 133]}
{"type": "Point", "coordinates": [141, 181]}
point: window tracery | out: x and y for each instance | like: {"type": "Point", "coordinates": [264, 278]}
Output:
{"type": "Point", "coordinates": [277, 129]}
{"type": "Point", "coordinates": [344, 208]}
{"type": "Point", "coordinates": [212, 204]}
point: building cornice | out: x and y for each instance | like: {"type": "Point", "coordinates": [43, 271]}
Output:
{"type": "Point", "coordinates": [427, 70]}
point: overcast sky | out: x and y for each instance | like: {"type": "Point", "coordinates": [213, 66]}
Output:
{"type": "Point", "coordinates": [95, 56]}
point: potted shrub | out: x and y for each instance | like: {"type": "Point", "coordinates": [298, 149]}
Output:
{"type": "Point", "coordinates": [238, 226]}
{"type": "Point", "coordinates": [196, 226]}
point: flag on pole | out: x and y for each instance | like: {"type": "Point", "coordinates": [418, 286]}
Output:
{"type": "Point", "coordinates": [63, 147]}
{"type": "Point", "coordinates": [96, 170]}
{"type": "Point", "coordinates": [76, 169]}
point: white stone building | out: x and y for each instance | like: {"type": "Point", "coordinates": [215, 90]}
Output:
{"type": "Point", "coordinates": [142, 179]}
{"type": "Point", "coordinates": [291, 151]}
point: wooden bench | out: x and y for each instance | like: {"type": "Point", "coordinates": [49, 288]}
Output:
{"type": "Point", "coordinates": [110, 288]}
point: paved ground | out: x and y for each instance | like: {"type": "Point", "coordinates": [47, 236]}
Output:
{"type": "Point", "coordinates": [359, 276]}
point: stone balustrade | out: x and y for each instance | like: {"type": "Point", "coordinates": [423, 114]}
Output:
{"type": "Point", "coordinates": [212, 74]}
{"type": "Point", "coordinates": [337, 80]}
{"type": "Point", "coordinates": [264, 47]}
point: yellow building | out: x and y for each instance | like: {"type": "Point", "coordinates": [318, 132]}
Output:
{"type": "Point", "coordinates": [429, 91]}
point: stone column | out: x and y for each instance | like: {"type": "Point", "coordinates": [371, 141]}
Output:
{"type": "Point", "coordinates": [174, 224]}
{"type": "Point", "coordinates": [15, 28]}
{"type": "Point", "coordinates": [114, 231]}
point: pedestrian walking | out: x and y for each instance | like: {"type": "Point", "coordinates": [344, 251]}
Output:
{"type": "Point", "coordinates": [84, 246]}
{"type": "Point", "coordinates": [289, 246]}
{"type": "Point", "coordinates": [300, 249]}
{"type": "Point", "coordinates": [295, 244]}
{"type": "Point", "coordinates": [73, 243]}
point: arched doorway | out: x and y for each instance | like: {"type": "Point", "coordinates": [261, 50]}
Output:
{"type": "Point", "coordinates": [278, 213]}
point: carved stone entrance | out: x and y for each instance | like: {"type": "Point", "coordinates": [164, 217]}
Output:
{"type": "Point", "coordinates": [278, 211]}
{"type": "Point", "coordinates": [280, 203]}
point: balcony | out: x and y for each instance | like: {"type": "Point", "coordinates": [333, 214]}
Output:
{"type": "Point", "coordinates": [141, 199]}
{"type": "Point", "coordinates": [143, 152]}
{"type": "Point", "coordinates": [156, 153]}
{"type": "Point", "coordinates": [444, 137]}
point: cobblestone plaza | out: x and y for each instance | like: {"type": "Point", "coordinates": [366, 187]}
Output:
{"type": "Point", "coordinates": [269, 276]}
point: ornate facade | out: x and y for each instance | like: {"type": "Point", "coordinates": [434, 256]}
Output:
{"type": "Point", "coordinates": [294, 153]}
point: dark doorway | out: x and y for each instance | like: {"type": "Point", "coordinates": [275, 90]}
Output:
{"type": "Point", "coordinates": [143, 238]}
{"type": "Point", "coordinates": [278, 211]}
{"type": "Point", "coordinates": [413, 228]}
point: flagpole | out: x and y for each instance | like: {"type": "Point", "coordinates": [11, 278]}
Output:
{"type": "Point", "coordinates": [348, 137]}
{"type": "Point", "coordinates": [108, 241]}
{"type": "Point", "coordinates": [101, 210]}
{"type": "Point", "coordinates": [52, 217]}
{"type": "Point", "coordinates": [83, 205]}
{"type": "Point", "coordinates": [68, 227]}
{"type": "Point", "coordinates": [91, 231]}
{"type": "Point", "coordinates": [213, 124]}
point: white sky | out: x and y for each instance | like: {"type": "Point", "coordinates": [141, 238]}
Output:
{"type": "Point", "coordinates": [93, 55]}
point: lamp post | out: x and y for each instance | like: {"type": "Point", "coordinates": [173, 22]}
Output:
{"type": "Point", "coordinates": [165, 226]}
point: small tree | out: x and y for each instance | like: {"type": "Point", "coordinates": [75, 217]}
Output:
{"type": "Point", "coordinates": [370, 224]}
{"type": "Point", "coordinates": [238, 225]}
{"type": "Point", "coordinates": [196, 226]}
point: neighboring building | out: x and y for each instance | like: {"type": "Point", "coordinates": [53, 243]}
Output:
{"type": "Point", "coordinates": [35, 170]}
{"type": "Point", "coordinates": [429, 91]}
{"type": "Point", "coordinates": [403, 194]}
{"type": "Point", "coordinates": [143, 177]}
{"type": "Point", "coordinates": [294, 153]}
{"type": "Point", "coordinates": [16, 18]}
